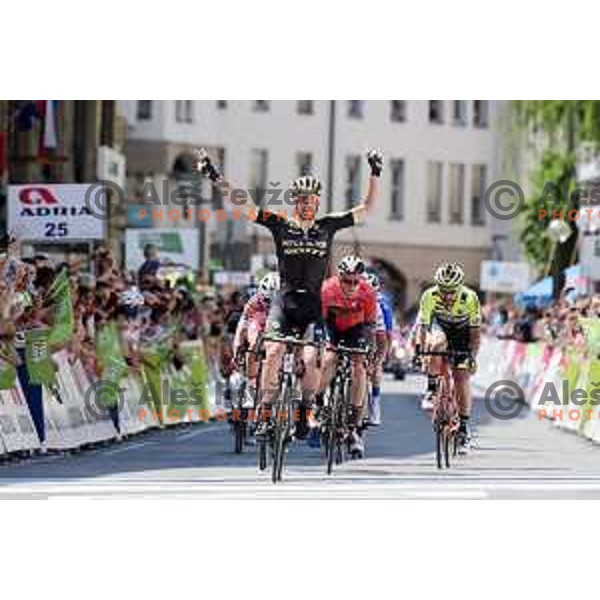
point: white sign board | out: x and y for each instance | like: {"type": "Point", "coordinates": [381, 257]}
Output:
{"type": "Point", "coordinates": [110, 165]}
{"type": "Point", "coordinates": [179, 246]}
{"type": "Point", "coordinates": [236, 278]}
{"type": "Point", "coordinates": [590, 256]}
{"type": "Point", "coordinates": [53, 213]}
{"type": "Point", "coordinates": [504, 277]}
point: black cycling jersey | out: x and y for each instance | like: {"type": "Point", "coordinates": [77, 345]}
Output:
{"type": "Point", "coordinates": [304, 255]}
{"type": "Point", "coordinates": [232, 320]}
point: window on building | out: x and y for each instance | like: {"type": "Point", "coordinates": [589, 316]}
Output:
{"type": "Point", "coordinates": [221, 104]}
{"type": "Point", "coordinates": [398, 111]}
{"type": "Point", "coordinates": [183, 111]}
{"type": "Point", "coordinates": [436, 111]}
{"type": "Point", "coordinates": [353, 164]}
{"type": "Point", "coordinates": [478, 184]}
{"type": "Point", "coordinates": [261, 105]}
{"type": "Point", "coordinates": [480, 113]}
{"type": "Point", "coordinates": [258, 173]}
{"type": "Point", "coordinates": [397, 189]}
{"type": "Point", "coordinates": [304, 163]}
{"type": "Point", "coordinates": [306, 107]}
{"type": "Point", "coordinates": [434, 192]}
{"type": "Point", "coordinates": [356, 109]}
{"type": "Point", "coordinates": [457, 192]}
{"type": "Point", "coordinates": [459, 112]}
{"type": "Point", "coordinates": [144, 110]}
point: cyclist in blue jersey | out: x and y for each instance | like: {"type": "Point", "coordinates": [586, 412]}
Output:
{"type": "Point", "coordinates": [385, 325]}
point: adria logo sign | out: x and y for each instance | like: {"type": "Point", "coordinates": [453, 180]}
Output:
{"type": "Point", "coordinates": [37, 195]}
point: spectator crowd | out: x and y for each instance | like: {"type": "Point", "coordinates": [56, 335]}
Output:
{"type": "Point", "coordinates": [71, 302]}
{"type": "Point", "coordinates": [560, 323]}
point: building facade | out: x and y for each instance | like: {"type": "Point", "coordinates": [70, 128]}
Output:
{"type": "Point", "coordinates": [440, 157]}
{"type": "Point", "coordinates": [61, 142]}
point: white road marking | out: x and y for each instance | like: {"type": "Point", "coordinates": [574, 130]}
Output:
{"type": "Point", "coordinates": [190, 434]}
{"type": "Point", "coordinates": [128, 447]}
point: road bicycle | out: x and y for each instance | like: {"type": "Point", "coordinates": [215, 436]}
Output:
{"type": "Point", "coordinates": [445, 417]}
{"type": "Point", "coordinates": [335, 414]}
{"type": "Point", "coordinates": [280, 422]}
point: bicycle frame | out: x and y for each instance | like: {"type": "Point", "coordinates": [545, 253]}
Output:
{"type": "Point", "coordinates": [335, 424]}
{"type": "Point", "coordinates": [445, 416]}
{"type": "Point", "coordinates": [283, 407]}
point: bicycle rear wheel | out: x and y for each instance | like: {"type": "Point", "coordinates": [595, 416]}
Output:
{"type": "Point", "coordinates": [330, 450]}
{"type": "Point", "coordinates": [238, 433]}
{"type": "Point", "coordinates": [262, 455]}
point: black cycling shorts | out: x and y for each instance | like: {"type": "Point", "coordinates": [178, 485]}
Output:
{"type": "Point", "coordinates": [292, 312]}
{"type": "Point", "coordinates": [458, 342]}
{"type": "Point", "coordinates": [354, 337]}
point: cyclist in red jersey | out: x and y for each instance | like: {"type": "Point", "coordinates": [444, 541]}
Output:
{"type": "Point", "coordinates": [349, 308]}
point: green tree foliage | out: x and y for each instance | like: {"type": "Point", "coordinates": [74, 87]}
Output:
{"type": "Point", "coordinates": [553, 182]}
{"type": "Point", "coordinates": [557, 128]}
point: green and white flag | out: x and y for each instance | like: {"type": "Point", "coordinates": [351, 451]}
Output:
{"type": "Point", "coordinates": [110, 356]}
{"type": "Point", "coordinates": [62, 310]}
{"type": "Point", "coordinates": [591, 330]}
{"type": "Point", "coordinates": [8, 373]}
{"type": "Point", "coordinates": [38, 359]}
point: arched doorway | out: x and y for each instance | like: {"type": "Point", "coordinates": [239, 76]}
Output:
{"type": "Point", "coordinates": [394, 281]}
{"type": "Point", "coordinates": [183, 166]}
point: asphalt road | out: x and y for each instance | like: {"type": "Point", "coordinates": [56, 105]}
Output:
{"type": "Point", "coordinates": [518, 458]}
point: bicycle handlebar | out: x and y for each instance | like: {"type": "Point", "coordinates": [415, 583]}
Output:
{"type": "Point", "coordinates": [442, 353]}
{"type": "Point", "coordinates": [345, 350]}
{"type": "Point", "coordinates": [291, 340]}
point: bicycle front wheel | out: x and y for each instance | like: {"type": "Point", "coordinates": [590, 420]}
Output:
{"type": "Point", "coordinates": [281, 433]}
{"type": "Point", "coordinates": [332, 430]}
{"type": "Point", "coordinates": [448, 437]}
{"type": "Point", "coordinates": [439, 444]}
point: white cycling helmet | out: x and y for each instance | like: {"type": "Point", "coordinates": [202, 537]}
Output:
{"type": "Point", "coordinates": [373, 280]}
{"type": "Point", "coordinates": [131, 297]}
{"type": "Point", "coordinates": [449, 276]}
{"type": "Point", "coordinates": [306, 186]}
{"type": "Point", "coordinates": [269, 283]}
{"type": "Point", "coordinates": [351, 265]}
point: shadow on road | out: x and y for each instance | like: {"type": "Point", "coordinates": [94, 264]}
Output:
{"type": "Point", "coordinates": [406, 432]}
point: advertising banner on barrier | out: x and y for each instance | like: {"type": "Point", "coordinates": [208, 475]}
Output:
{"type": "Point", "coordinates": [100, 425]}
{"type": "Point", "coordinates": [74, 404]}
{"type": "Point", "coordinates": [159, 395]}
{"type": "Point", "coordinates": [53, 213]}
{"type": "Point", "coordinates": [23, 416]}
{"type": "Point", "coordinates": [16, 427]}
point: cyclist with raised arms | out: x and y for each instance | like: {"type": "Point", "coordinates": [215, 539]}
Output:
{"type": "Point", "coordinates": [303, 245]}
{"type": "Point", "coordinates": [450, 319]}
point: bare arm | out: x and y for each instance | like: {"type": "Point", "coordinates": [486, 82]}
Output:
{"type": "Point", "coordinates": [375, 160]}
{"type": "Point", "coordinates": [236, 195]}
{"type": "Point", "coordinates": [360, 212]}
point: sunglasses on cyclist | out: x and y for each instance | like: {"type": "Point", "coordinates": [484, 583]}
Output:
{"type": "Point", "coordinates": [351, 279]}
{"type": "Point", "coordinates": [448, 292]}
